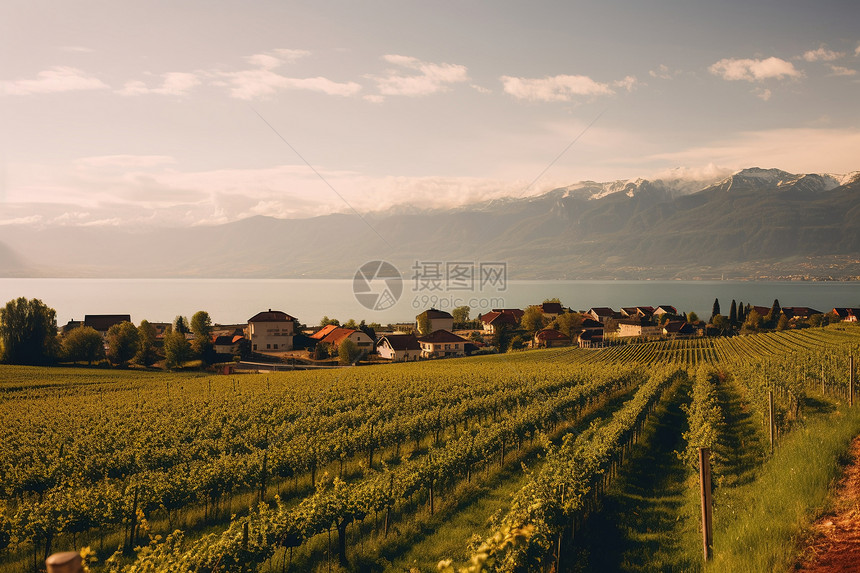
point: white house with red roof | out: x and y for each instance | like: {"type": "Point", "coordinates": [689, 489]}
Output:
{"type": "Point", "coordinates": [398, 347]}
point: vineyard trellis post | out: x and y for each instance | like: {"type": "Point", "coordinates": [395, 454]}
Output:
{"type": "Point", "coordinates": [707, 507]}
{"type": "Point", "coordinates": [851, 380]}
{"type": "Point", "coordinates": [771, 413]}
{"type": "Point", "coordinates": [66, 562]}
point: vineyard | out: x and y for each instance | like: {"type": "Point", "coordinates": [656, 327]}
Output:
{"type": "Point", "coordinates": [521, 454]}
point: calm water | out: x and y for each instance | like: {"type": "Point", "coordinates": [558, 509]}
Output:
{"type": "Point", "coordinates": [235, 300]}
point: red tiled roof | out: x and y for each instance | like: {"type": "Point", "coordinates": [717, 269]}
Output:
{"type": "Point", "coordinates": [496, 317]}
{"type": "Point", "coordinates": [602, 311]}
{"type": "Point", "coordinates": [550, 334]}
{"type": "Point", "coordinates": [271, 316]}
{"type": "Point", "coordinates": [337, 335]}
{"type": "Point", "coordinates": [552, 308]}
{"type": "Point", "coordinates": [440, 336]}
{"type": "Point", "coordinates": [103, 322]}
{"type": "Point", "coordinates": [323, 332]}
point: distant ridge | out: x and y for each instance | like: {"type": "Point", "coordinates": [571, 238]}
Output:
{"type": "Point", "coordinates": [756, 223]}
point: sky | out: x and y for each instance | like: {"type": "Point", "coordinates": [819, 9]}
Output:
{"type": "Point", "coordinates": [197, 113]}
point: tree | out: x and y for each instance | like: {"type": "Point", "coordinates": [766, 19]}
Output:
{"type": "Point", "coordinates": [180, 324]}
{"type": "Point", "coordinates": [326, 321]}
{"type": "Point", "coordinates": [461, 315]}
{"type": "Point", "coordinates": [351, 324]}
{"type": "Point", "coordinates": [754, 322]}
{"type": "Point", "coordinates": [742, 313]}
{"type": "Point", "coordinates": [721, 323]}
{"type": "Point", "coordinates": [146, 354]}
{"type": "Point", "coordinates": [783, 322]}
{"type": "Point", "coordinates": [122, 342]}
{"type": "Point", "coordinates": [517, 342]}
{"type": "Point", "coordinates": [177, 351]}
{"type": "Point", "coordinates": [423, 323]}
{"type": "Point", "coordinates": [774, 313]}
{"type": "Point", "coordinates": [553, 299]}
{"type": "Point", "coordinates": [716, 310]}
{"type": "Point", "coordinates": [201, 326]}
{"type": "Point", "coordinates": [347, 352]}
{"type": "Point", "coordinates": [83, 343]}
{"type": "Point", "coordinates": [692, 317]}
{"type": "Point", "coordinates": [569, 323]}
{"type": "Point", "coordinates": [28, 332]}
{"type": "Point", "coordinates": [533, 319]}
{"type": "Point", "coordinates": [733, 313]}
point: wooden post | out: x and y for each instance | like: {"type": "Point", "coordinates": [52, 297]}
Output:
{"type": "Point", "coordinates": [68, 562]}
{"type": "Point", "coordinates": [770, 410]}
{"type": "Point", "coordinates": [851, 380]}
{"type": "Point", "coordinates": [707, 509]}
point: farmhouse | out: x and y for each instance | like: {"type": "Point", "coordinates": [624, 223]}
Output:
{"type": "Point", "coordinates": [398, 347]}
{"type": "Point", "coordinates": [501, 318]}
{"type": "Point", "coordinates": [272, 330]}
{"type": "Point", "coordinates": [335, 335]}
{"type": "Point", "coordinates": [102, 322]}
{"type": "Point", "coordinates": [550, 338]}
{"type": "Point", "coordinates": [442, 343]}
{"type": "Point", "coordinates": [602, 313]}
{"type": "Point", "coordinates": [436, 320]}
{"type": "Point", "coordinates": [637, 327]}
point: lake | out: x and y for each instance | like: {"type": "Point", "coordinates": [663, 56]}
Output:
{"type": "Point", "coordinates": [231, 301]}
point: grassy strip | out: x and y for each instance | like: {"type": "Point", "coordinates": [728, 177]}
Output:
{"type": "Point", "coordinates": [757, 525]}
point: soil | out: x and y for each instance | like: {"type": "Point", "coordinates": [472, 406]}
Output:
{"type": "Point", "coordinates": [835, 541]}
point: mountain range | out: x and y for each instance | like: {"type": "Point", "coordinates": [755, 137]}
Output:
{"type": "Point", "coordinates": [756, 223]}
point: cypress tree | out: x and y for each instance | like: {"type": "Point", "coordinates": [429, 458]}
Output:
{"type": "Point", "coordinates": [742, 313]}
{"type": "Point", "coordinates": [716, 310]}
{"type": "Point", "coordinates": [733, 313]}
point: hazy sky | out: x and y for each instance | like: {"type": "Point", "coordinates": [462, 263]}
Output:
{"type": "Point", "coordinates": [167, 112]}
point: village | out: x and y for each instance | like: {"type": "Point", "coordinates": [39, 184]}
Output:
{"type": "Point", "coordinates": [274, 337]}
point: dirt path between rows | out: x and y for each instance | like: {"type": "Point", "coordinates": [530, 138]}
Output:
{"type": "Point", "coordinates": [835, 543]}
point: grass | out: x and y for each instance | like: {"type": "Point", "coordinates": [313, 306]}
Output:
{"type": "Point", "coordinates": [757, 526]}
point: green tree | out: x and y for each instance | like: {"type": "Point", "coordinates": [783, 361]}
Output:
{"type": "Point", "coordinates": [782, 323]}
{"type": "Point", "coordinates": [122, 342]}
{"type": "Point", "coordinates": [692, 317]}
{"type": "Point", "coordinates": [754, 322]}
{"type": "Point", "coordinates": [28, 332]}
{"type": "Point", "coordinates": [351, 324]}
{"type": "Point", "coordinates": [322, 351]}
{"type": "Point", "coordinates": [423, 323]}
{"type": "Point", "coordinates": [774, 313]}
{"type": "Point", "coordinates": [461, 315]}
{"type": "Point", "coordinates": [742, 313]}
{"type": "Point", "coordinates": [715, 311]}
{"type": "Point", "coordinates": [533, 319]}
{"type": "Point", "coordinates": [83, 343]}
{"type": "Point", "coordinates": [721, 323]}
{"type": "Point", "coordinates": [569, 323]}
{"type": "Point", "coordinates": [146, 354]}
{"type": "Point", "coordinates": [733, 313]}
{"type": "Point", "coordinates": [517, 342]}
{"type": "Point", "coordinates": [347, 352]}
{"type": "Point", "coordinates": [326, 321]}
{"type": "Point", "coordinates": [180, 324]}
{"type": "Point", "coordinates": [201, 327]}
{"type": "Point", "coordinates": [553, 299]}
{"type": "Point", "coordinates": [177, 350]}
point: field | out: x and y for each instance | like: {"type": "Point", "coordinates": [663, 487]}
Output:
{"type": "Point", "coordinates": [574, 459]}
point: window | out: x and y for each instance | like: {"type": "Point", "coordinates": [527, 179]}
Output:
{"type": "Point", "coordinates": [268, 347]}
{"type": "Point", "coordinates": [255, 347]}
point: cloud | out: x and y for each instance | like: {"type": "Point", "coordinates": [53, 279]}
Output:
{"type": "Point", "coordinates": [797, 150]}
{"type": "Point", "coordinates": [554, 88]}
{"type": "Point", "coordinates": [628, 83]}
{"type": "Point", "coordinates": [173, 83]}
{"type": "Point", "coordinates": [480, 89]}
{"type": "Point", "coordinates": [663, 73]}
{"type": "Point", "coordinates": [822, 54]}
{"type": "Point", "coordinates": [54, 80]}
{"type": "Point", "coordinates": [100, 161]}
{"type": "Point", "coordinates": [842, 71]}
{"type": "Point", "coordinates": [263, 81]}
{"type": "Point", "coordinates": [763, 93]}
{"type": "Point", "coordinates": [857, 50]}
{"type": "Point", "coordinates": [754, 70]}
{"type": "Point", "coordinates": [430, 78]}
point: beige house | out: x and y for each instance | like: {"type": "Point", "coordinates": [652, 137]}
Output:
{"type": "Point", "coordinates": [437, 320]}
{"type": "Point", "coordinates": [271, 331]}
{"type": "Point", "coordinates": [643, 327]}
{"type": "Point", "coordinates": [442, 343]}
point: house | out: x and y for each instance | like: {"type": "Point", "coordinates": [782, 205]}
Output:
{"type": "Point", "coordinates": [847, 314]}
{"type": "Point", "coordinates": [590, 339]}
{"type": "Point", "coordinates": [436, 320]}
{"type": "Point", "coordinates": [551, 310]}
{"type": "Point", "coordinates": [271, 330]}
{"type": "Point", "coordinates": [665, 309]}
{"type": "Point", "coordinates": [500, 318]}
{"type": "Point", "coordinates": [799, 312]}
{"type": "Point", "coordinates": [637, 311]}
{"type": "Point", "coordinates": [677, 329]}
{"type": "Point", "coordinates": [442, 343]}
{"type": "Point", "coordinates": [638, 327]}
{"type": "Point", "coordinates": [398, 347]}
{"type": "Point", "coordinates": [227, 343]}
{"type": "Point", "coordinates": [602, 313]}
{"type": "Point", "coordinates": [70, 326]}
{"type": "Point", "coordinates": [550, 338]}
{"type": "Point", "coordinates": [102, 322]}
{"type": "Point", "coordinates": [335, 335]}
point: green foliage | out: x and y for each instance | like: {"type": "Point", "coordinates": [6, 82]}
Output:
{"type": "Point", "coordinates": [692, 317]}
{"type": "Point", "coordinates": [326, 321]}
{"type": "Point", "coordinates": [569, 323]}
{"type": "Point", "coordinates": [754, 322]}
{"type": "Point", "coordinates": [322, 350]}
{"type": "Point", "coordinates": [146, 353]}
{"type": "Point", "coordinates": [704, 417]}
{"type": "Point", "coordinates": [201, 325]}
{"type": "Point", "coordinates": [351, 324]}
{"type": "Point", "coordinates": [715, 310]}
{"type": "Point", "coordinates": [517, 342]}
{"type": "Point", "coordinates": [533, 319]}
{"type": "Point", "coordinates": [783, 322]}
{"type": "Point", "coordinates": [180, 324]}
{"type": "Point", "coordinates": [347, 352]}
{"type": "Point", "coordinates": [177, 350]}
{"type": "Point", "coordinates": [28, 332]}
{"type": "Point", "coordinates": [423, 323]}
{"type": "Point", "coordinates": [83, 343]}
{"type": "Point", "coordinates": [461, 314]}
{"type": "Point", "coordinates": [123, 343]}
